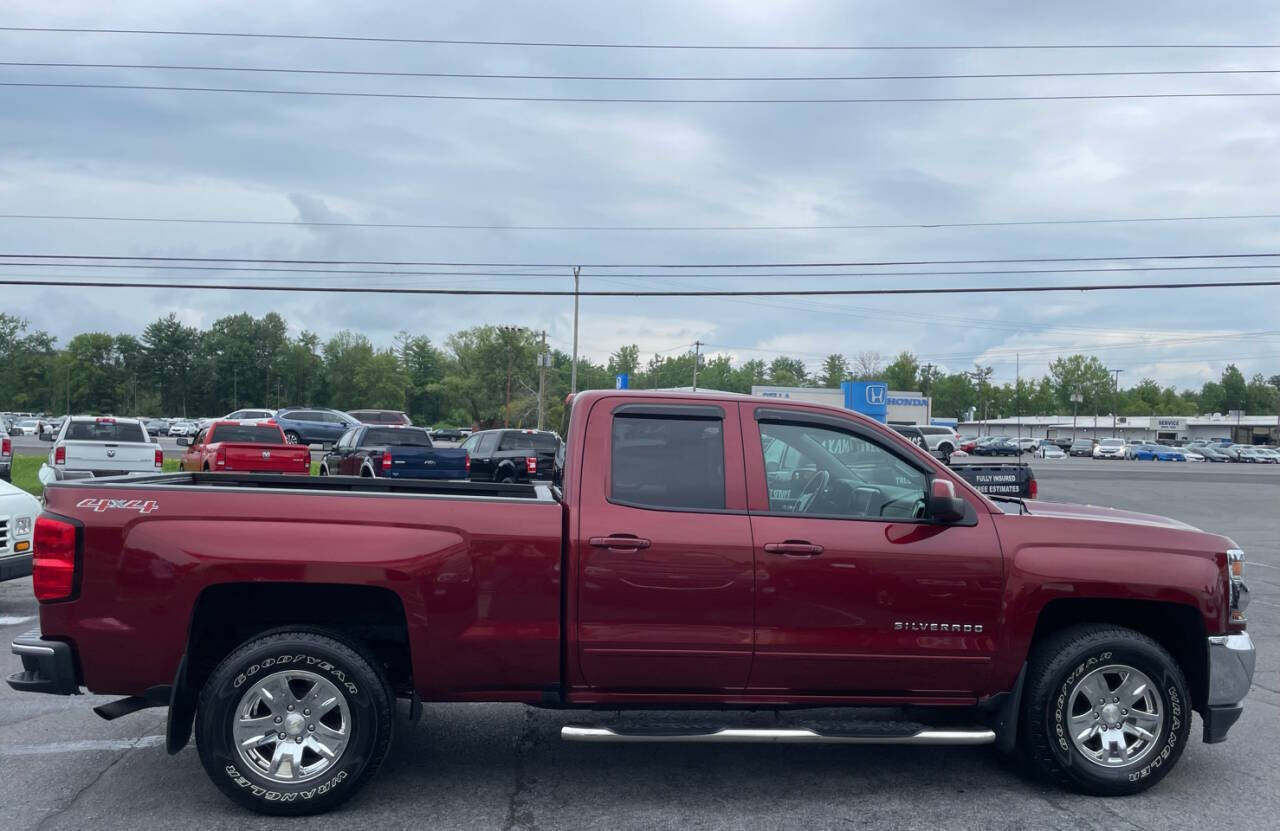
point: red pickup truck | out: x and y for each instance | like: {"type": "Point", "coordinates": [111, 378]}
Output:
{"type": "Point", "coordinates": [697, 551]}
{"type": "Point", "coordinates": [244, 446]}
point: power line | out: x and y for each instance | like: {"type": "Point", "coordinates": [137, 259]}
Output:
{"type": "Point", "coordinates": [697, 228]}
{"type": "Point", "coordinates": [338, 272]}
{"type": "Point", "coordinates": [642, 78]}
{"type": "Point", "coordinates": [597, 293]}
{"type": "Point", "coordinates": [608, 100]}
{"type": "Point", "coordinates": [847, 264]}
{"type": "Point", "coordinates": [599, 45]}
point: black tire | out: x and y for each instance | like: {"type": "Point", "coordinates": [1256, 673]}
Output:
{"type": "Point", "coordinates": [367, 697]}
{"type": "Point", "coordinates": [505, 475]}
{"type": "Point", "coordinates": [946, 447]}
{"type": "Point", "coordinates": [291, 437]}
{"type": "Point", "coordinates": [1055, 667]}
{"type": "Point", "coordinates": [324, 471]}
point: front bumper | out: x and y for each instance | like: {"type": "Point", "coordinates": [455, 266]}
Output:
{"type": "Point", "coordinates": [1231, 663]}
{"type": "Point", "coordinates": [13, 566]}
{"type": "Point", "coordinates": [47, 666]}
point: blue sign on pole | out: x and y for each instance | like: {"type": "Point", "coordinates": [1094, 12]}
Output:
{"type": "Point", "coordinates": [622, 381]}
{"type": "Point", "coordinates": [871, 398]}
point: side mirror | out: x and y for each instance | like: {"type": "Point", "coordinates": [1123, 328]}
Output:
{"type": "Point", "coordinates": [944, 505]}
{"type": "Point", "coordinates": [46, 437]}
{"type": "Point", "coordinates": [183, 441]}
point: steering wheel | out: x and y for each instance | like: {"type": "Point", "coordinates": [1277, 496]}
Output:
{"type": "Point", "coordinates": [812, 488]}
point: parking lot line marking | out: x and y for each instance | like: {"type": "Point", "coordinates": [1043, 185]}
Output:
{"type": "Point", "coordinates": [10, 620]}
{"type": "Point", "coordinates": [1264, 565]}
{"type": "Point", "coordinates": [81, 746]}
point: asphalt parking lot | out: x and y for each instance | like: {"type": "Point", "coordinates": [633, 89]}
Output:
{"type": "Point", "coordinates": [504, 767]}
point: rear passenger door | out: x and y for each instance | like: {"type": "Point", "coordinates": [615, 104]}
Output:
{"type": "Point", "coordinates": [664, 567]}
{"type": "Point", "coordinates": [482, 456]}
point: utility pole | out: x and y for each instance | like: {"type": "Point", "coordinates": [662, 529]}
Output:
{"type": "Point", "coordinates": [1017, 390]}
{"type": "Point", "coordinates": [573, 371]}
{"type": "Point", "coordinates": [1115, 399]}
{"type": "Point", "coordinates": [697, 352]}
{"type": "Point", "coordinates": [543, 359]}
{"type": "Point", "coordinates": [1076, 398]}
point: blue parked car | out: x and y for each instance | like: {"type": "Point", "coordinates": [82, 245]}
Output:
{"type": "Point", "coordinates": [1159, 452]}
{"type": "Point", "coordinates": [313, 425]}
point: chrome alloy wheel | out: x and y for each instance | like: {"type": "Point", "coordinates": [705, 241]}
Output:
{"type": "Point", "coordinates": [1116, 716]}
{"type": "Point", "coordinates": [292, 726]}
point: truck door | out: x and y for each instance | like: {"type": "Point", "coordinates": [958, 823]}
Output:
{"type": "Point", "coordinates": [664, 565]}
{"type": "Point", "coordinates": [860, 593]}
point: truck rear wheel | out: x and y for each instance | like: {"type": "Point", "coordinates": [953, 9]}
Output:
{"type": "Point", "coordinates": [1107, 710]}
{"type": "Point", "coordinates": [293, 723]}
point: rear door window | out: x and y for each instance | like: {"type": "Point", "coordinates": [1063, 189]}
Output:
{"type": "Point", "coordinates": [671, 463]}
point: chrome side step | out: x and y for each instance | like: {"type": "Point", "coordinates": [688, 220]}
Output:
{"type": "Point", "coordinates": [778, 735]}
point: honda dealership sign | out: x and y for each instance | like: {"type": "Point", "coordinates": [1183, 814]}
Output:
{"type": "Point", "coordinates": [871, 398]}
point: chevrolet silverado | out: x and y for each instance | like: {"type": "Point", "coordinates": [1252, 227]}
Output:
{"type": "Point", "coordinates": [696, 551]}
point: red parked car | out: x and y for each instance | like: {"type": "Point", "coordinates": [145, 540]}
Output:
{"type": "Point", "coordinates": [244, 447]}
{"type": "Point", "coordinates": [702, 551]}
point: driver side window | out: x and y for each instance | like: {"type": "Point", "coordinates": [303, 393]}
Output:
{"type": "Point", "coordinates": [823, 471]}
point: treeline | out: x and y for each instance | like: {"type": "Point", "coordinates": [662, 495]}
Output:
{"type": "Point", "coordinates": [488, 375]}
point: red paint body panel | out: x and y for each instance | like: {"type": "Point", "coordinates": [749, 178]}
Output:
{"type": "Point", "coordinates": [703, 615]}
{"type": "Point", "coordinates": [480, 598]}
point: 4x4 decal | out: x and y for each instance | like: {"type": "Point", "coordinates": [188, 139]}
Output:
{"type": "Point", "coordinates": [142, 506]}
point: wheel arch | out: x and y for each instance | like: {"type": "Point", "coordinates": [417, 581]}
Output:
{"type": "Point", "coordinates": [1178, 627]}
{"type": "Point", "coordinates": [226, 615]}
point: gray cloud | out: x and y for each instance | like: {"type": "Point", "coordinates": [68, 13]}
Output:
{"type": "Point", "coordinates": [493, 163]}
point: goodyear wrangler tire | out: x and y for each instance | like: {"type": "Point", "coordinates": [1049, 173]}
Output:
{"type": "Point", "coordinates": [1107, 710]}
{"type": "Point", "coordinates": [293, 723]}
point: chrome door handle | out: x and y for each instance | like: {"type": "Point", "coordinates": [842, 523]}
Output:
{"type": "Point", "coordinates": [794, 548]}
{"type": "Point", "coordinates": [619, 542]}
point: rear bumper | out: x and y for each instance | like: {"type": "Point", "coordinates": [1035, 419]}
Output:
{"type": "Point", "coordinates": [14, 566]}
{"type": "Point", "coordinates": [47, 666]}
{"type": "Point", "coordinates": [1231, 664]}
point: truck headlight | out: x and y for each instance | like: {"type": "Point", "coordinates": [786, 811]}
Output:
{"type": "Point", "coordinates": [1239, 591]}
{"type": "Point", "coordinates": [22, 526]}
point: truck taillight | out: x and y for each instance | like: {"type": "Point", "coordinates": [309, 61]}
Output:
{"type": "Point", "coordinates": [159, 459]}
{"type": "Point", "coordinates": [386, 462]}
{"type": "Point", "coordinates": [6, 447]}
{"type": "Point", "coordinates": [60, 455]}
{"type": "Point", "coordinates": [221, 459]}
{"type": "Point", "coordinates": [530, 464]}
{"type": "Point", "coordinates": [53, 573]}
{"type": "Point", "coordinates": [466, 461]}
{"type": "Point", "coordinates": [1033, 489]}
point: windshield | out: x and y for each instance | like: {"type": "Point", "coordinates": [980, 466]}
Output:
{"type": "Point", "coordinates": [247, 434]}
{"type": "Point", "coordinates": [1113, 442]}
{"type": "Point", "coordinates": [393, 437]}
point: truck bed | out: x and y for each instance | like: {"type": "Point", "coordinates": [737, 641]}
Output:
{"type": "Point", "coordinates": [473, 567]}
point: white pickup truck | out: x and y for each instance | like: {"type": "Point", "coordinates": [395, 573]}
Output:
{"type": "Point", "coordinates": [87, 446]}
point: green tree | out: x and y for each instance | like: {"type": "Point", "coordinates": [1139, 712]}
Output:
{"type": "Point", "coordinates": [902, 373]}
{"type": "Point", "coordinates": [1085, 374]}
{"type": "Point", "coordinates": [787, 372]}
{"type": "Point", "coordinates": [835, 369]}
{"type": "Point", "coordinates": [1234, 389]}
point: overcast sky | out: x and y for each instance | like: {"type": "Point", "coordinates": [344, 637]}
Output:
{"type": "Point", "coordinates": [368, 160]}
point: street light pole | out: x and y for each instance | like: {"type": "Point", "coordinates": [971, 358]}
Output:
{"type": "Point", "coordinates": [542, 381]}
{"type": "Point", "coordinates": [1076, 398]}
{"type": "Point", "coordinates": [573, 371]}
{"type": "Point", "coordinates": [697, 349]}
{"type": "Point", "coordinates": [1115, 400]}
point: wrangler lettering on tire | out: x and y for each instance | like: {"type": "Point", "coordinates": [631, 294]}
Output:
{"type": "Point", "coordinates": [293, 722]}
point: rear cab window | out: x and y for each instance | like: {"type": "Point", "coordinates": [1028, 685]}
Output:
{"type": "Point", "coordinates": [529, 441]}
{"type": "Point", "coordinates": [246, 434]}
{"type": "Point", "coordinates": [105, 431]}
{"type": "Point", "coordinates": [396, 437]}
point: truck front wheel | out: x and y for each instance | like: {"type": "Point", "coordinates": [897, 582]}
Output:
{"type": "Point", "coordinates": [1106, 712]}
{"type": "Point", "coordinates": [293, 723]}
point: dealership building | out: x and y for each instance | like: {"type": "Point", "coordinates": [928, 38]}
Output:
{"type": "Point", "coordinates": [1238, 428]}
{"type": "Point", "coordinates": [871, 398]}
